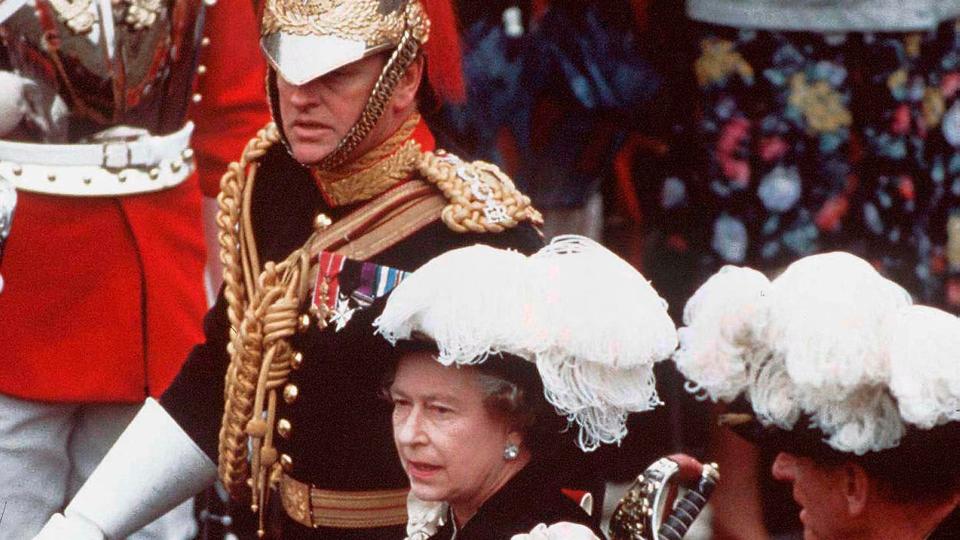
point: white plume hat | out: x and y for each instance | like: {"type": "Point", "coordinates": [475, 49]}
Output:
{"type": "Point", "coordinates": [590, 322]}
{"type": "Point", "coordinates": [829, 339]}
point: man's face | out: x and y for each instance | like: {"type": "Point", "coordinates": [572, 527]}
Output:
{"type": "Point", "coordinates": [317, 115]}
{"type": "Point", "coordinates": [819, 490]}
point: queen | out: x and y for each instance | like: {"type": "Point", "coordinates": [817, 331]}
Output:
{"type": "Point", "coordinates": [496, 353]}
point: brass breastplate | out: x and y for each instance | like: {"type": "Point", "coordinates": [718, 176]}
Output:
{"type": "Point", "coordinates": [96, 64]}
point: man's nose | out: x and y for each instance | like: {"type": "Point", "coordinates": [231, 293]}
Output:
{"type": "Point", "coordinates": [784, 467]}
{"type": "Point", "coordinates": [305, 95]}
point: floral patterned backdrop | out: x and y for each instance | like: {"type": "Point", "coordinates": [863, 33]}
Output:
{"type": "Point", "coordinates": [808, 142]}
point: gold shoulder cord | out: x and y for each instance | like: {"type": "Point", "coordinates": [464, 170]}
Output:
{"type": "Point", "coordinates": [482, 198]}
{"type": "Point", "coordinates": [262, 314]}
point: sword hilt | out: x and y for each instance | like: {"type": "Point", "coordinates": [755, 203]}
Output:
{"type": "Point", "coordinates": [638, 516]}
{"type": "Point", "coordinates": [686, 510]}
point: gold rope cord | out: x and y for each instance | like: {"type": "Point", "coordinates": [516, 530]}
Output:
{"type": "Point", "coordinates": [263, 314]}
{"type": "Point", "coordinates": [459, 180]}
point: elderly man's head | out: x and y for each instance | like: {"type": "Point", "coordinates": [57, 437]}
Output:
{"type": "Point", "coordinates": [904, 491]}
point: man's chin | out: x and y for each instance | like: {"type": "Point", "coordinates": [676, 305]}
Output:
{"type": "Point", "coordinates": [308, 153]}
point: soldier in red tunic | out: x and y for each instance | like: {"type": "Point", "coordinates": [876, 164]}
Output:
{"type": "Point", "coordinates": [103, 269]}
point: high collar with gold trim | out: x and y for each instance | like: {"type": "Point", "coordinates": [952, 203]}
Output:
{"type": "Point", "coordinates": [390, 163]}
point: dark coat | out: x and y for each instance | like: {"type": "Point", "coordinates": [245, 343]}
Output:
{"type": "Point", "coordinates": [531, 497]}
{"type": "Point", "coordinates": [341, 437]}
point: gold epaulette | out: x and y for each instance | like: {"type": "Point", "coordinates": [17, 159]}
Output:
{"type": "Point", "coordinates": [482, 198]}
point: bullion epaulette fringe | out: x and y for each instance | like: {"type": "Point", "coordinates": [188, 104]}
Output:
{"type": "Point", "coordinates": [482, 198]}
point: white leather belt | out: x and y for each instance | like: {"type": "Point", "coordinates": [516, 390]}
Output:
{"type": "Point", "coordinates": [120, 167]}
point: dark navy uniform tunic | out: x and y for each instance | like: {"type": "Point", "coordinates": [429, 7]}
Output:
{"type": "Point", "coordinates": [341, 436]}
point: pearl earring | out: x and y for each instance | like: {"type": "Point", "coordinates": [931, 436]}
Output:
{"type": "Point", "coordinates": [511, 452]}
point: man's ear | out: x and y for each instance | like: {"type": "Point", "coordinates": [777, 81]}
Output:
{"type": "Point", "coordinates": [405, 93]}
{"type": "Point", "coordinates": [856, 488]}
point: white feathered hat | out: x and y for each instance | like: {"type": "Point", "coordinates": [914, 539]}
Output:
{"type": "Point", "coordinates": [831, 341]}
{"type": "Point", "coordinates": [589, 321]}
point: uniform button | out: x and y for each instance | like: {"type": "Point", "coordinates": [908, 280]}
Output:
{"type": "Point", "coordinates": [284, 427]}
{"type": "Point", "coordinates": [291, 392]}
{"type": "Point", "coordinates": [321, 222]}
{"type": "Point", "coordinates": [286, 462]}
{"type": "Point", "coordinates": [303, 323]}
{"type": "Point", "coordinates": [295, 363]}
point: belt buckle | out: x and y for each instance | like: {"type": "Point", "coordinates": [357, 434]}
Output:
{"type": "Point", "coordinates": [116, 155]}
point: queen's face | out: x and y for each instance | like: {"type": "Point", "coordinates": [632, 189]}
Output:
{"type": "Point", "coordinates": [318, 114]}
{"type": "Point", "coordinates": [450, 446]}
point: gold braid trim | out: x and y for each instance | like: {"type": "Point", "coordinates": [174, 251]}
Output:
{"type": "Point", "coordinates": [263, 314]}
{"type": "Point", "coordinates": [482, 197]}
{"type": "Point", "coordinates": [375, 172]}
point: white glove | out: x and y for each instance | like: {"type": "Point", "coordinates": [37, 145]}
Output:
{"type": "Point", "coordinates": [558, 531]}
{"type": "Point", "coordinates": [63, 528]}
{"type": "Point", "coordinates": [153, 467]}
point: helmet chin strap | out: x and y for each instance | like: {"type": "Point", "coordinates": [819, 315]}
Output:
{"type": "Point", "coordinates": [417, 28]}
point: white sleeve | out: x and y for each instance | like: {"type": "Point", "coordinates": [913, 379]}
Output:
{"type": "Point", "coordinates": [153, 467]}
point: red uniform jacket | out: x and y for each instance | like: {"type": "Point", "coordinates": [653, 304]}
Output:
{"type": "Point", "coordinates": [104, 296]}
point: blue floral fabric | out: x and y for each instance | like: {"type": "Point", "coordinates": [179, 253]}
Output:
{"type": "Point", "coordinates": [815, 142]}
